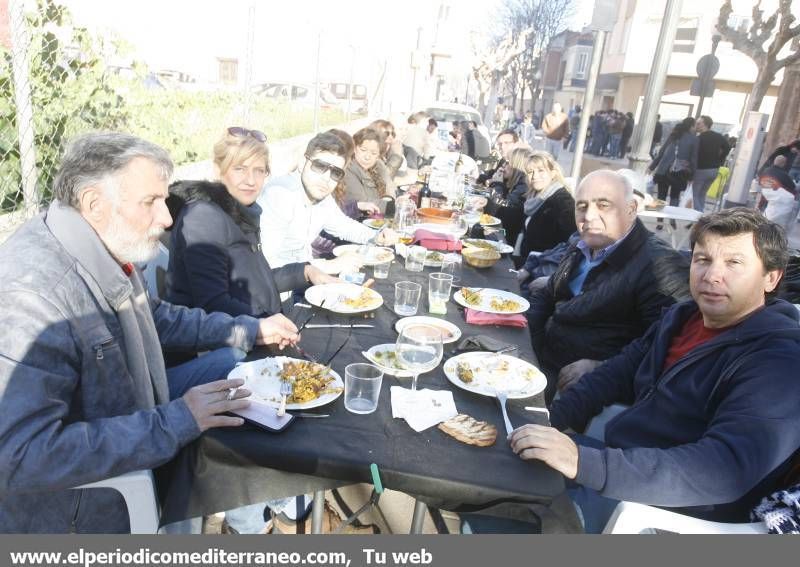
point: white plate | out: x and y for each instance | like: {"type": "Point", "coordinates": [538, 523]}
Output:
{"type": "Point", "coordinates": [501, 247]}
{"type": "Point", "coordinates": [487, 294]}
{"type": "Point", "coordinates": [262, 378]}
{"type": "Point", "coordinates": [375, 254]}
{"type": "Point", "coordinates": [430, 260]}
{"type": "Point", "coordinates": [493, 221]}
{"type": "Point", "coordinates": [377, 224]}
{"type": "Point", "coordinates": [450, 332]}
{"type": "Point", "coordinates": [374, 355]}
{"type": "Point", "coordinates": [491, 372]}
{"type": "Point", "coordinates": [332, 293]}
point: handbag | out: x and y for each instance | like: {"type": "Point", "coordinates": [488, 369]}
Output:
{"type": "Point", "coordinates": [680, 168]}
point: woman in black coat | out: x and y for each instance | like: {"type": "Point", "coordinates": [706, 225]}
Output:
{"type": "Point", "coordinates": [507, 198]}
{"type": "Point", "coordinates": [215, 260]}
{"type": "Point", "coordinates": [549, 207]}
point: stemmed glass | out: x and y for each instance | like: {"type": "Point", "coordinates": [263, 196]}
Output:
{"type": "Point", "coordinates": [419, 349]}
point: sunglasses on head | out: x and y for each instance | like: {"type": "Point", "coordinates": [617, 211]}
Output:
{"type": "Point", "coordinates": [244, 132]}
{"type": "Point", "coordinates": [321, 167]}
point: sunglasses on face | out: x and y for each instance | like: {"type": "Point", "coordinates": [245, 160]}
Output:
{"type": "Point", "coordinates": [390, 133]}
{"type": "Point", "coordinates": [321, 167]}
{"type": "Point", "coordinates": [244, 132]}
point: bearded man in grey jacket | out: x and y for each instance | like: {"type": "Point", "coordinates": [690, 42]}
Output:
{"type": "Point", "coordinates": [84, 394]}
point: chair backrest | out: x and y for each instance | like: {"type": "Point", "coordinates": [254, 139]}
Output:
{"type": "Point", "coordinates": [155, 272]}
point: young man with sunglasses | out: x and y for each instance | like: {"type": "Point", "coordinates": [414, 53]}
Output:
{"type": "Point", "coordinates": [300, 205]}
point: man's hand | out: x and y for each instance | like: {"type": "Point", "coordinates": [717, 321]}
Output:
{"type": "Point", "coordinates": [546, 444]}
{"type": "Point", "coordinates": [386, 237]}
{"type": "Point", "coordinates": [571, 373]}
{"type": "Point", "coordinates": [207, 401]}
{"type": "Point", "coordinates": [317, 276]}
{"type": "Point", "coordinates": [367, 207]}
{"type": "Point", "coordinates": [277, 330]}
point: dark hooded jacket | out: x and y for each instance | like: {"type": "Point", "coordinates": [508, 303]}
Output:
{"type": "Point", "coordinates": [215, 259]}
{"type": "Point", "coordinates": [712, 434]}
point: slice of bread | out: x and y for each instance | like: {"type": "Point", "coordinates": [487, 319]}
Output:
{"type": "Point", "coordinates": [469, 430]}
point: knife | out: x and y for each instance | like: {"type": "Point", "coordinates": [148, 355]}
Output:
{"type": "Point", "coordinates": [342, 325]}
{"type": "Point", "coordinates": [306, 414]}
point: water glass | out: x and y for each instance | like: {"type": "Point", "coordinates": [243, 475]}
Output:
{"type": "Point", "coordinates": [381, 271]}
{"type": "Point", "coordinates": [452, 264]}
{"type": "Point", "coordinates": [439, 285]}
{"type": "Point", "coordinates": [362, 387]}
{"type": "Point", "coordinates": [419, 349]}
{"type": "Point", "coordinates": [415, 258]}
{"type": "Point", "coordinates": [406, 298]}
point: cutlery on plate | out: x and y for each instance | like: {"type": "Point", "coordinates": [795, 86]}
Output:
{"type": "Point", "coordinates": [286, 391]}
{"type": "Point", "coordinates": [339, 325]}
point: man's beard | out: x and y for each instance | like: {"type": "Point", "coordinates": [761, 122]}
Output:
{"type": "Point", "coordinates": [128, 246]}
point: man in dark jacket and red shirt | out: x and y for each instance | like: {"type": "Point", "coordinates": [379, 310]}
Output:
{"type": "Point", "coordinates": [609, 287]}
{"type": "Point", "coordinates": [713, 390]}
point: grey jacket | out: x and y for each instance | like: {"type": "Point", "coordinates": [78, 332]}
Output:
{"type": "Point", "coordinates": [687, 153]}
{"type": "Point", "coordinates": [74, 404]}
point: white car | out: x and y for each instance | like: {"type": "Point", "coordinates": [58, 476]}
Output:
{"type": "Point", "coordinates": [445, 113]}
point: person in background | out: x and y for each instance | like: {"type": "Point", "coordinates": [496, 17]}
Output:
{"type": "Point", "coordinates": [85, 394]}
{"type": "Point", "coordinates": [526, 130]}
{"type": "Point", "coordinates": [417, 141]}
{"type": "Point", "coordinates": [712, 149]}
{"type": "Point", "coordinates": [392, 151]}
{"type": "Point", "coordinates": [367, 181]}
{"type": "Point", "coordinates": [215, 262]}
{"type": "Point", "coordinates": [574, 124]}
{"type": "Point", "coordinates": [658, 133]}
{"type": "Point", "coordinates": [676, 161]}
{"type": "Point", "coordinates": [506, 141]}
{"type": "Point", "coordinates": [507, 197]}
{"type": "Point", "coordinates": [609, 287]}
{"type": "Point", "coordinates": [298, 206]}
{"type": "Point", "coordinates": [627, 132]}
{"type": "Point", "coordinates": [549, 207]}
{"type": "Point", "coordinates": [712, 386]}
{"type": "Point", "coordinates": [556, 129]}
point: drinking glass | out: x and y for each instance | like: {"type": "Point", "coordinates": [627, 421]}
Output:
{"type": "Point", "coordinates": [415, 258]}
{"type": "Point", "coordinates": [381, 271]}
{"type": "Point", "coordinates": [459, 225]}
{"type": "Point", "coordinates": [406, 298]}
{"type": "Point", "coordinates": [439, 285]}
{"type": "Point", "coordinates": [362, 387]}
{"type": "Point", "coordinates": [452, 264]}
{"type": "Point", "coordinates": [419, 350]}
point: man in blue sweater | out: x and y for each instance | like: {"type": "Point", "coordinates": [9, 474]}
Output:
{"type": "Point", "coordinates": [713, 390]}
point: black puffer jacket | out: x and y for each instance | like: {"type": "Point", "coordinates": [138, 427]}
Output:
{"type": "Point", "coordinates": [508, 205]}
{"type": "Point", "coordinates": [551, 225]}
{"type": "Point", "coordinates": [215, 259]}
{"type": "Point", "coordinates": [620, 299]}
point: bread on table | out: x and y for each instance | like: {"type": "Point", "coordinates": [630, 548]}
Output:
{"type": "Point", "coordinates": [469, 430]}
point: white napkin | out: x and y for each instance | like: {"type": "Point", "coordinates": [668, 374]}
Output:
{"type": "Point", "coordinates": [422, 408]}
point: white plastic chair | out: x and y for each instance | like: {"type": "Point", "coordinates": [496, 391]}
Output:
{"type": "Point", "coordinates": [138, 490]}
{"type": "Point", "coordinates": [155, 270]}
{"type": "Point", "coordinates": [633, 518]}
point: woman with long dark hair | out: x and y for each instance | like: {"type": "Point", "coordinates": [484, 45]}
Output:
{"type": "Point", "coordinates": [676, 162]}
{"type": "Point", "coordinates": [367, 179]}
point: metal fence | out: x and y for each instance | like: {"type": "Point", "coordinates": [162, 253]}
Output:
{"type": "Point", "coordinates": [58, 80]}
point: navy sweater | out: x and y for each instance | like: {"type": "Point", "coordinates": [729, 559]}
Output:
{"type": "Point", "coordinates": [713, 434]}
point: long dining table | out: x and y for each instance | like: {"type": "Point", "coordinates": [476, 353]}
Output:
{"type": "Point", "coordinates": [230, 467]}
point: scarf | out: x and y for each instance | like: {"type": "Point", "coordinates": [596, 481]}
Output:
{"type": "Point", "coordinates": [534, 203]}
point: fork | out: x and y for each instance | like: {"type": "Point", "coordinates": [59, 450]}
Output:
{"type": "Point", "coordinates": [502, 398]}
{"type": "Point", "coordinates": [286, 391]}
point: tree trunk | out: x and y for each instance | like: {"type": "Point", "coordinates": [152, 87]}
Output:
{"type": "Point", "coordinates": [488, 115]}
{"type": "Point", "coordinates": [760, 87]}
{"type": "Point", "coordinates": [785, 126]}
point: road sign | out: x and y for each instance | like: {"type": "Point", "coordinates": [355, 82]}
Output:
{"type": "Point", "coordinates": [702, 88]}
{"type": "Point", "coordinates": [707, 66]}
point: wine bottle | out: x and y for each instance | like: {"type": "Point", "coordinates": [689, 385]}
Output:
{"type": "Point", "coordinates": [425, 194]}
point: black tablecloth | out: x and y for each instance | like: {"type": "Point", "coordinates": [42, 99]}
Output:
{"type": "Point", "coordinates": [226, 468]}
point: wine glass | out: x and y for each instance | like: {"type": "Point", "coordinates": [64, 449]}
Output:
{"type": "Point", "coordinates": [459, 224]}
{"type": "Point", "coordinates": [419, 349]}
